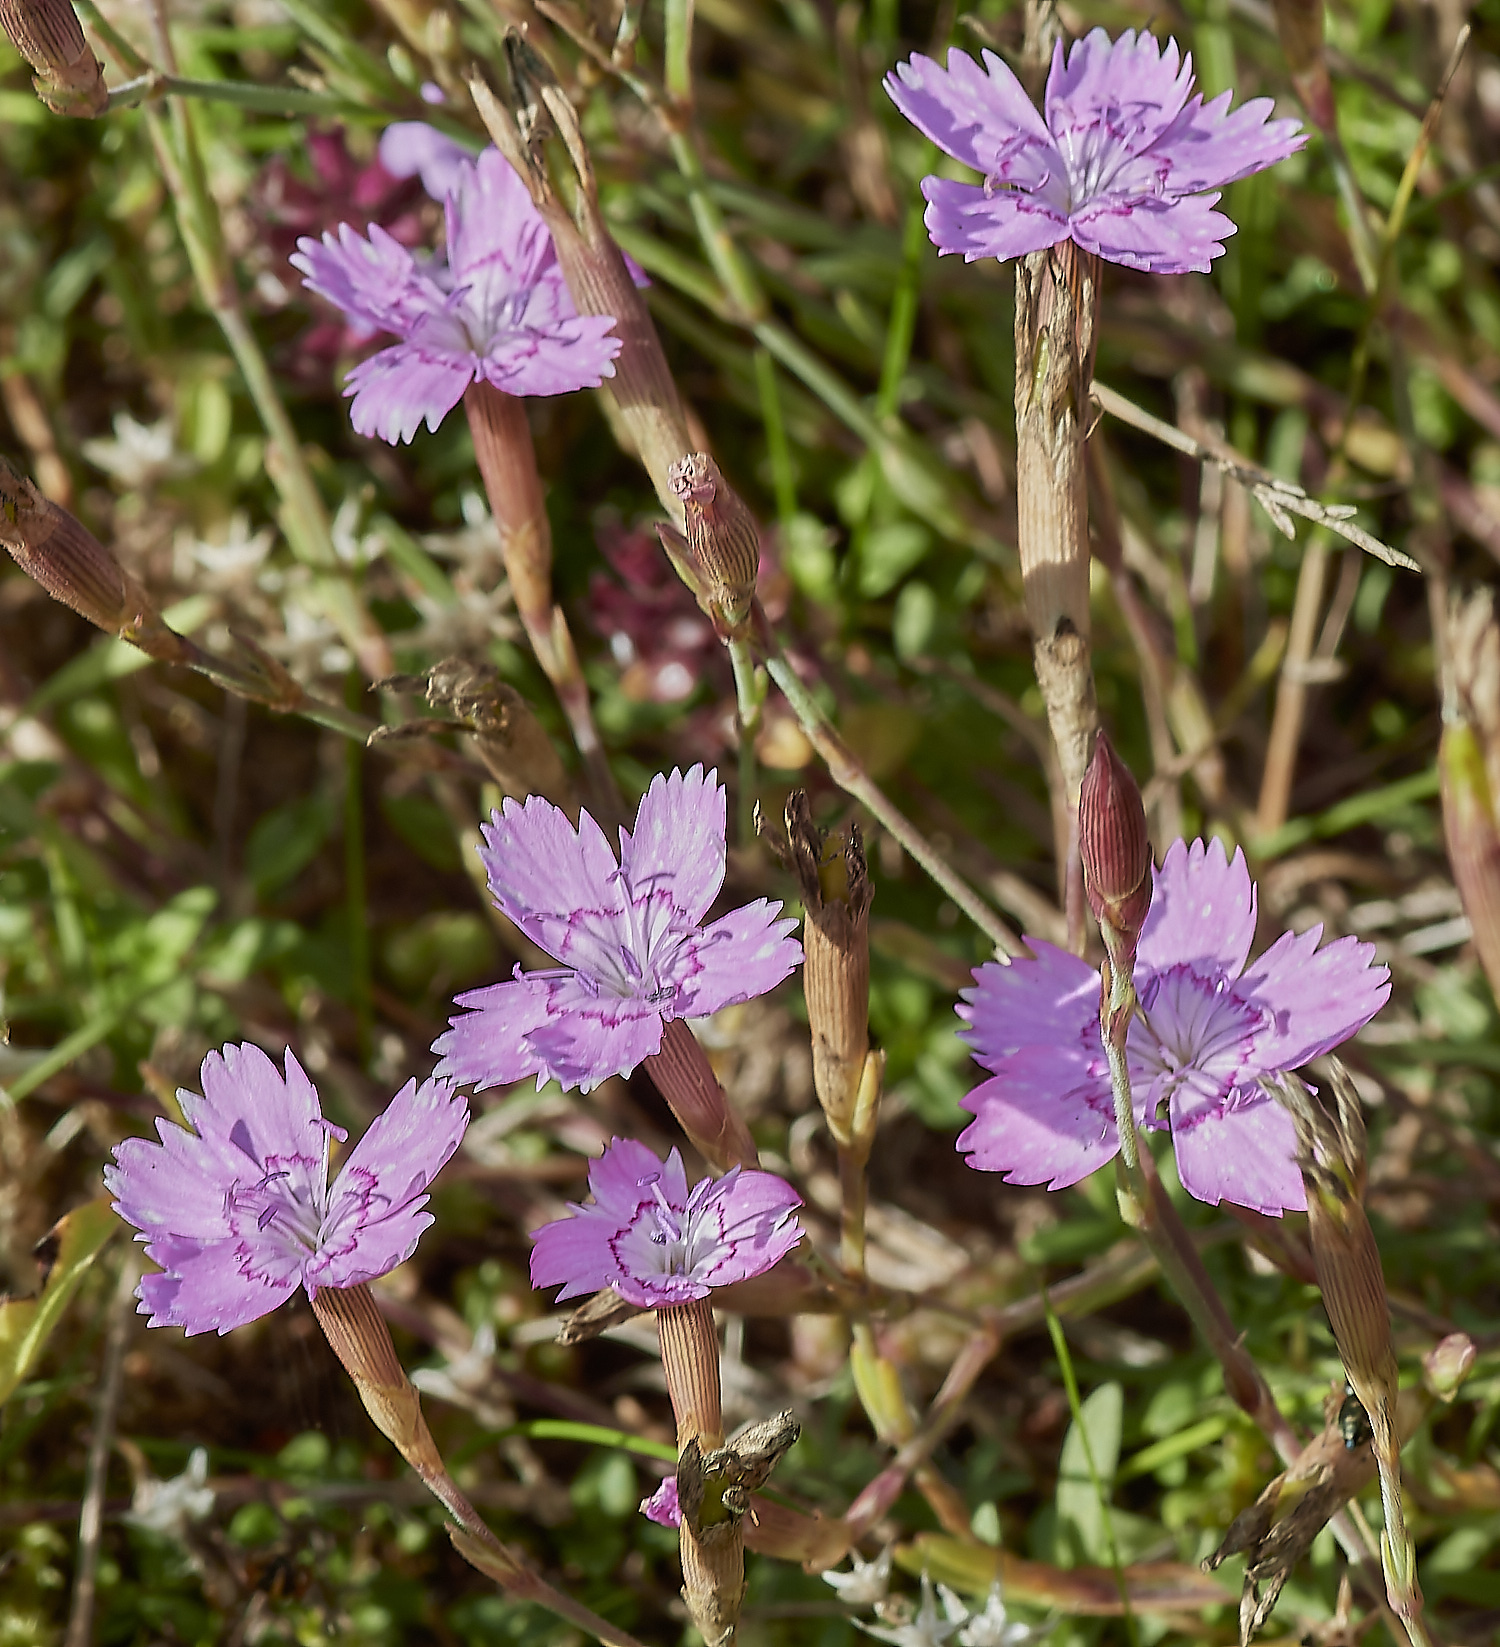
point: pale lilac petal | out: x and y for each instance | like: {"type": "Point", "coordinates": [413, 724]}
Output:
{"type": "Point", "coordinates": [402, 387]}
{"type": "Point", "coordinates": [375, 281]}
{"type": "Point", "coordinates": [411, 147]}
{"type": "Point", "coordinates": [1241, 1149]}
{"type": "Point", "coordinates": [593, 1036]}
{"type": "Point", "coordinates": [375, 1205]}
{"type": "Point", "coordinates": [561, 886]}
{"type": "Point", "coordinates": [743, 954]}
{"type": "Point", "coordinates": [491, 218]}
{"type": "Point", "coordinates": [161, 1187]}
{"type": "Point", "coordinates": [754, 1214]}
{"type": "Point", "coordinates": [1048, 1119]}
{"type": "Point", "coordinates": [1209, 147]}
{"type": "Point", "coordinates": [570, 355]}
{"type": "Point", "coordinates": [984, 119]}
{"type": "Point", "coordinates": [1202, 911]}
{"type": "Point", "coordinates": [962, 218]}
{"type": "Point", "coordinates": [678, 841]}
{"type": "Point", "coordinates": [1315, 998]}
{"type": "Point", "coordinates": [212, 1288]}
{"type": "Point", "coordinates": [662, 1506]}
{"type": "Point", "coordinates": [1109, 99]}
{"type": "Point", "coordinates": [1052, 1001]}
{"type": "Point", "coordinates": [622, 1177]}
{"type": "Point", "coordinates": [574, 1253]}
{"type": "Point", "coordinates": [488, 1043]}
{"type": "Point", "coordinates": [1158, 236]}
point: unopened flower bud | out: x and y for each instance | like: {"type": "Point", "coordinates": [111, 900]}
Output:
{"type": "Point", "coordinates": [1448, 1363]}
{"type": "Point", "coordinates": [1115, 851]}
{"type": "Point", "coordinates": [722, 537]}
{"type": "Point", "coordinates": [836, 894]}
{"type": "Point", "coordinates": [60, 553]}
{"type": "Point", "coordinates": [69, 78]}
{"type": "Point", "coordinates": [1469, 768]}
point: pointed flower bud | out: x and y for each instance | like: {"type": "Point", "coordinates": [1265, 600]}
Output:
{"type": "Point", "coordinates": [1115, 851]}
{"type": "Point", "coordinates": [1448, 1363]}
{"type": "Point", "coordinates": [69, 78]}
{"type": "Point", "coordinates": [62, 555]}
{"type": "Point", "coordinates": [722, 537]}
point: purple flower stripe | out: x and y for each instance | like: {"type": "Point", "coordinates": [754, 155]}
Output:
{"type": "Point", "coordinates": [1126, 163]}
{"type": "Point", "coordinates": [238, 1211]}
{"type": "Point", "coordinates": [1210, 1028]}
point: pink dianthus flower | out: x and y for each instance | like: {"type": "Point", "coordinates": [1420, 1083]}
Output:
{"type": "Point", "coordinates": [1209, 1028]}
{"type": "Point", "coordinates": [629, 934]}
{"type": "Point", "coordinates": [239, 1212]}
{"type": "Point", "coordinates": [495, 310]}
{"type": "Point", "coordinates": [1125, 163]}
{"type": "Point", "coordinates": [658, 1243]}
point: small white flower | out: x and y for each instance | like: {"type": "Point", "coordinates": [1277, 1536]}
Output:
{"type": "Point", "coordinates": [167, 1506]}
{"type": "Point", "coordinates": [930, 1628]}
{"type": "Point", "coordinates": [138, 453]}
{"type": "Point", "coordinates": [992, 1628]}
{"type": "Point", "coordinates": [866, 1582]}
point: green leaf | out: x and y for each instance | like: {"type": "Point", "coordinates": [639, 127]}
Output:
{"type": "Point", "coordinates": [27, 1323]}
{"type": "Point", "coordinates": [1081, 1507]}
{"type": "Point", "coordinates": [285, 842]}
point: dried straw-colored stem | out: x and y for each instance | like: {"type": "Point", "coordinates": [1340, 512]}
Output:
{"type": "Point", "coordinates": [1054, 324]}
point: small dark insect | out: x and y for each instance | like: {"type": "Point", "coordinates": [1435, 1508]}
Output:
{"type": "Point", "coordinates": [1354, 1423]}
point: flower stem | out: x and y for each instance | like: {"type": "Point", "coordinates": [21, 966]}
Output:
{"type": "Point", "coordinates": [847, 772]}
{"type": "Point", "coordinates": [1147, 1208]}
{"type": "Point", "coordinates": [506, 456]}
{"type": "Point", "coordinates": [749, 698]}
{"type": "Point", "coordinates": [357, 1334]}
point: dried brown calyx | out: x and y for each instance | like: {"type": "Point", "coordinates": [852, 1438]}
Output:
{"type": "Point", "coordinates": [834, 885]}
{"type": "Point", "coordinates": [69, 78]}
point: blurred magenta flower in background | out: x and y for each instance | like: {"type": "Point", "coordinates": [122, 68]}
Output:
{"type": "Point", "coordinates": [1209, 1029]}
{"type": "Point", "coordinates": [1125, 163]}
{"type": "Point", "coordinates": [656, 1242]}
{"type": "Point", "coordinates": [239, 1211]}
{"type": "Point", "coordinates": [629, 935]}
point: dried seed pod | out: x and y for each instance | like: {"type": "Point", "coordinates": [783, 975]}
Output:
{"type": "Point", "coordinates": [836, 895]}
{"type": "Point", "coordinates": [722, 538]}
{"type": "Point", "coordinates": [69, 78]}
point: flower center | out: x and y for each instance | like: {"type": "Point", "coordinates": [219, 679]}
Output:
{"type": "Point", "coordinates": [682, 1242]}
{"type": "Point", "coordinates": [1196, 1034]}
{"type": "Point", "coordinates": [287, 1202]}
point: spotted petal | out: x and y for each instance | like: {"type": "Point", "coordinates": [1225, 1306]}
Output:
{"type": "Point", "coordinates": [1315, 998]}
{"type": "Point", "coordinates": [1047, 1118]}
{"type": "Point", "coordinates": [1052, 1001]}
{"type": "Point", "coordinates": [1202, 912]}
{"type": "Point", "coordinates": [962, 217]}
{"type": "Point", "coordinates": [983, 118]}
{"type": "Point", "coordinates": [1242, 1149]}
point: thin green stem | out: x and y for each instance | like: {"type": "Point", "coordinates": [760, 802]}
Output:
{"type": "Point", "coordinates": [678, 66]}
{"type": "Point", "coordinates": [778, 449]}
{"type": "Point", "coordinates": [847, 772]}
{"type": "Point", "coordinates": [153, 86]}
{"type": "Point", "coordinates": [749, 697]}
{"type": "Point", "coordinates": [902, 326]}
{"type": "Point", "coordinates": [355, 900]}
